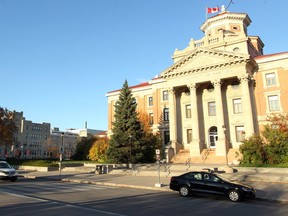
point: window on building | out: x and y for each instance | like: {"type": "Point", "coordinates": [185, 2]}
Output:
{"type": "Point", "coordinates": [237, 106]}
{"type": "Point", "coordinates": [150, 101]}
{"type": "Point", "coordinates": [270, 79]}
{"type": "Point", "coordinates": [240, 133]}
{"type": "Point", "coordinates": [189, 136]}
{"type": "Point", "coordinates": [212, 108]}
{"type": "Point", "coordinates": [273, 103]}
{"type": "Point", "coordinates": [166, 137]}
{"type": "Point", "coordinates": [165, 95]}
{"type": "Point", "coordinates": [151, 119]}
{"type": "Point", "coordinates": [166, 114]}
{"type": "Point", "coordinates": [188, 111]}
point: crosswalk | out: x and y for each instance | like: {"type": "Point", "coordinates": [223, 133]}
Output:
{"type": "Point", "coordinates": [50, 188]}
{"type": "Point", "coordinates": [50, 198]}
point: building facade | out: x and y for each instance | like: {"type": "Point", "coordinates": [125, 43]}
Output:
{"type": "Point", "coordinates": [40, 141]}
{"type": "Point", "coordinates": [218, 92]}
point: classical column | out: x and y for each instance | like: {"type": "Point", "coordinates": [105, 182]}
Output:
{"type": "Point", "coordinates": [220, 143]}
{"type": "Point", "coordinates": [172, 118]}
{"type": "Point", "coordinates": [247, 106]}
{"type": "Point", "coordinates": [195, 149]}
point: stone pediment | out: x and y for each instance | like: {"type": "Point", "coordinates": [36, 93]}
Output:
{"type": "Point", "coordinates": [200, 60]}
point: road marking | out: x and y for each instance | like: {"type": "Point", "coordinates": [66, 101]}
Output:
{"type": "Point", "coordinates": [48, 201]}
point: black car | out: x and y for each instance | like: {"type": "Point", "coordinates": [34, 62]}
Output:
{"type": "Point", "coordinates": [206, 182]}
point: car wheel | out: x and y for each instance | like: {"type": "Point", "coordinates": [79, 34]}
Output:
{"type": "Point", "coordinates": [184, 191]}
{"type": "Point", "coordinates": [234, 195]}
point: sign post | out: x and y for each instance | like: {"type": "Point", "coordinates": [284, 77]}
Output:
{"type": "Point", "coordinates": [158, 161]}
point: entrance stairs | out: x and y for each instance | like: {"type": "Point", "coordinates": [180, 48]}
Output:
{"type": "Point", "coordinates": [207, 156]}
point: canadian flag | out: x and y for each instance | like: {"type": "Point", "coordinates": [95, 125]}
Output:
{"type": "Point", "coordinates": [213, 10]}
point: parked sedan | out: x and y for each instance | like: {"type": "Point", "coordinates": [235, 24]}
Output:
{"type": "Point", "coordinates": [206, 182]}
{"type": "Point", "coordinates": [7, 172]}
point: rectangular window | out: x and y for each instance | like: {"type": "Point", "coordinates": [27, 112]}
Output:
{"type": "Point", "coordinates": [212, 108]}
{"type": "Point", "coordinates": [240, 133]}
{"type": "Point", "coordinates": [273, 103]}
{"type": "Point", "coordinates": [237, 105]}
{"type": "Point", "coordinates": [270, 79]}
{"type": "Point", "coordinates": [188, 111]}
{"type": "Point", "coordinates": [151, 119]}
{"type": "Point", "coordinates": [165, 95]}
{"type": "Point", "coordinates": [166, 114]}
{"type": "Point", "coordinates": [189, 136]}
{"type": "Point", "coordinates": [166, 137]}
{"type": "Point", "coordinates": [150, 101]}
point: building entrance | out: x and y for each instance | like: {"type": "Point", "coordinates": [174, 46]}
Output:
{"type": "Point", "coordinates": [213, 137]}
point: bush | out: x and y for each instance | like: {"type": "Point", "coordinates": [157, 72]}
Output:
{"type": "Point", "coordinates": [253, 151]}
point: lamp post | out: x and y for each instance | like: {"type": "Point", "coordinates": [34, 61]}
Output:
{"type": "Point", "coordinates": [60, 156]}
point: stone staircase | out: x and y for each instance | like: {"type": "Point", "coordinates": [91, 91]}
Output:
{"type": "Point", "coordinates": [208, 156]}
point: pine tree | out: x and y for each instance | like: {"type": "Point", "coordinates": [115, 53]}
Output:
{"type": "Point", "coordinates": [127, 144]}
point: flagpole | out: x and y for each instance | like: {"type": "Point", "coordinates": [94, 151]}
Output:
{"type": "Point", "coordinates": [206, 9]}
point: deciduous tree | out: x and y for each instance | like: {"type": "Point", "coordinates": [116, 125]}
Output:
{"type": "Point", "coordinates": [98, 150]}
{"type": "Point", "coordinates": [7, 127]}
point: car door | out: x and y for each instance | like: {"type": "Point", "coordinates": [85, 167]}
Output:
{"type": "Point", "coordinates": [196, 181]}
{"type": "Point", "coordinates": [212, 183]}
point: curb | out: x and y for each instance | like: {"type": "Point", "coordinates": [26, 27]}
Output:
{"type": "Point", "coordinates": [116, 185]}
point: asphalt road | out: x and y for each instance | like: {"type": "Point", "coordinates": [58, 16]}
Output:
{"type": "Point", "coordinates": [46, 197]}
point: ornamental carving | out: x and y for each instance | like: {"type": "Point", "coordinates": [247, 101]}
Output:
{"type": "Point", "coordinates": [192, 86]}
{"type": "Point", "coordinates": [216, 83]}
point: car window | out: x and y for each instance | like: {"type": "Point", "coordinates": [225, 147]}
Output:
{"type": "Point", "coordinates": [198, 176]}
{"type": "Point", "coordinates": [193, 176]}
{"type": "Point", "coordinates": [211, 178]}
{"type": "Point", "coordinates": [206, 177]}
{"type": "Point", "coordinates": [4, 165]}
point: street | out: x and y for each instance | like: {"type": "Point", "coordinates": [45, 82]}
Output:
{"type": "Point", "coordinates": [48, 197]}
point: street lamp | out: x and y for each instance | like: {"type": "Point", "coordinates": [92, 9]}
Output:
{"type": "Point", "coordinates": [61, 152]}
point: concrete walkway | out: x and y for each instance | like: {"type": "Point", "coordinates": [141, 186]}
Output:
{"type": "Point", "coordinates": [271, 186]}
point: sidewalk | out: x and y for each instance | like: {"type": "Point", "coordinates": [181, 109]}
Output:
{"type": "Point", "coordinates": [269, 186]}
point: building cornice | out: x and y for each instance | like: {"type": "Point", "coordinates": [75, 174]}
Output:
{"type": "Point", "coordinates": [232, 59]}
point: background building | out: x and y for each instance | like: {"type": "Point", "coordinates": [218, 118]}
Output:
{"type": "Point", "coordinates": [39, 140]}
{"type": "Point", "coordinates": [218, 92]}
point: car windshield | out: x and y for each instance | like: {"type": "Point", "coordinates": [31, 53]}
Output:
{"type": "Point", "coordinates": [4, 165]}
{"type": "Point", "coordinates": [223, 178]}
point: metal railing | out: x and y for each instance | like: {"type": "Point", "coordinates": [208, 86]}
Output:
{"type": "Point", "coordinates": [205, 156]}
{"type": "Point", "coordinates": [188, 163]}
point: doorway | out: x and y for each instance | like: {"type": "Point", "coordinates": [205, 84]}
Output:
{"type": "Point", "coordinates": [213, 137]}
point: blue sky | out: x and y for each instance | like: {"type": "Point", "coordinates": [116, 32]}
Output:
{"type": "Point", "coordinates": [58, 58]}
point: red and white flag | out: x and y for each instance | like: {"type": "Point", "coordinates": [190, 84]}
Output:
{"type": "Point", "coordinates": [213, 10]}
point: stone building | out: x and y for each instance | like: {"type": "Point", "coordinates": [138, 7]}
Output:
{"type": "Point", "coordinates": [218, 91]}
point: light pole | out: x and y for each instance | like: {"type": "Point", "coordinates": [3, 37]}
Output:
{"type": "Point", "coordinates": [60, 156]}
{"type": "Point", "coordinates": [130, 157]}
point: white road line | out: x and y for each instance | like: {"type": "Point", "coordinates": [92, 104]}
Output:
{"type": "Point", "coordinates": [56, 202]}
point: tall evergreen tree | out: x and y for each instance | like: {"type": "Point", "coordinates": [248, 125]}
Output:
{"type": "Point", "coordinates": [127, 144]}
